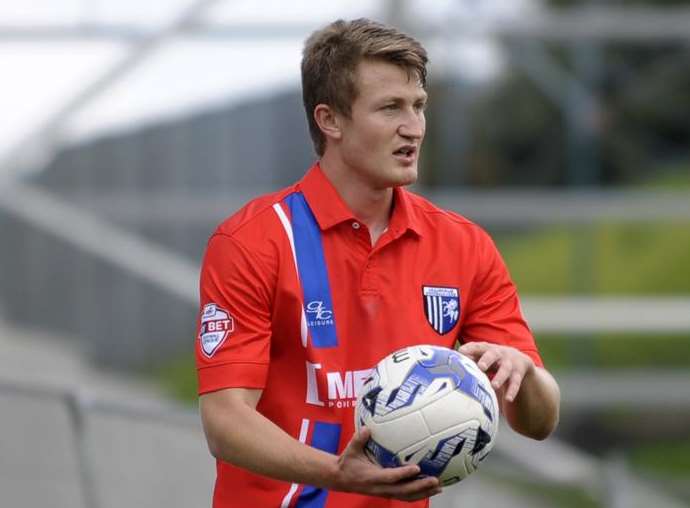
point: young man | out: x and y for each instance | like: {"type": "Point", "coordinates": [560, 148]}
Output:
{"type": "Point", "coordinates": [304, 290]}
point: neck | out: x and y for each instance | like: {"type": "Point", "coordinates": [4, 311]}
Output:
{"type": "Point", "coordinates": [371, 206]}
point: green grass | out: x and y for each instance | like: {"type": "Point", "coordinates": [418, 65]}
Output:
{"type": "Point", "coordinates": [178, 378]}
{"type": "Point", "coordinates": [615, 351]}
{"type": "Point", "coordinates": [670, 458]}
{"type": "Point", "coordinates": [558, 496]}
{"type": "Point", "coordinates": [602, 259]}
{"type": "Point", "coordinates": [606, 258]}
{"type": "Point", "coordinates": [669, 177]}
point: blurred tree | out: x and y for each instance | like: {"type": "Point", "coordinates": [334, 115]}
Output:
{"type": "Point", "coordinates": [514, 133]}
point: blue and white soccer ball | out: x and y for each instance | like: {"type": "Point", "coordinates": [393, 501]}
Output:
{"type": "Point", "coordinates": [430, 406]}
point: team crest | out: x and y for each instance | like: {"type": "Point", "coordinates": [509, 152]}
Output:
{"type": "Point", "coordinates": [442, 307]}
{"type": "Point", "coordinates": [216, 325]}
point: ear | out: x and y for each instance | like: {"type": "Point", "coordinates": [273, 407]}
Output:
{"type": "Point", "coordinates": [328, 121]}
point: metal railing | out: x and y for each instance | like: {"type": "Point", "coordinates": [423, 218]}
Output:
{"type": "Point", "coordinates": [551, 462]}
{"type": "Point", "coordinates": [97, 476]}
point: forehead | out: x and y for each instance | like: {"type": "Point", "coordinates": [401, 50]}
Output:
{"type": "Point", "coordinates": [378, 79]}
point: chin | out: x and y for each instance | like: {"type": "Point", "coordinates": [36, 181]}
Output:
{"type": "Point", "coordinates": [397, 175]}
{"type": "Point", "coordinates": [407, 176]}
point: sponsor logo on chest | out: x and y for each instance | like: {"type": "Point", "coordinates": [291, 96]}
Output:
{"type": "Point", "coordinates": [318, 314]}
{"type": "Point", "coordinates": [335, 389]}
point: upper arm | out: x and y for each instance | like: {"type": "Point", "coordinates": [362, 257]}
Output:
{"type": "Point", "coordinates": [234, 324]}
{"type": "Point", "coordinates": [221, 407]}
{"type": "Point", "coordinates": [493, 312]}
{"type": "Point", "coordinates": [227, 399]}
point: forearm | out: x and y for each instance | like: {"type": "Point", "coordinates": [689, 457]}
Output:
{"type": "Point", "coordinates": [245, 438]}
{"type": "Point", "coordinates": [535, 411]}
{"type": "Point", "coordinates": [238, 434]}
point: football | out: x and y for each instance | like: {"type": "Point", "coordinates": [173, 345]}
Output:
{"type": "Point", "coordinates": [431, 406]}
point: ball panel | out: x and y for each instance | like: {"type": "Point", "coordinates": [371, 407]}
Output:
{"type": "Point", "coordinates": [457, 468]}
{"type": "Point", "coordinates": [445, 413]}
{"type": "Point", "coordinates": [484, 443]}
{"type": "Point", "coordinates": [431, 406]}
{"type": "Point", "coordinates": [409, 396]}
{"type": "Point", "coordinates": [401, 432]}
{"type": "Point", "coordinates": [438, 455]}
{"type": "Point", "coordinates": [380, 454]}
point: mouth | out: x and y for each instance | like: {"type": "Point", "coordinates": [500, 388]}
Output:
{"type": "Point", "coordinates": [406, 153]}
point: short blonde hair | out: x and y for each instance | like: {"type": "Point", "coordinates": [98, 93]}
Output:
{"type": "Point", "coordinates": [330, 59]}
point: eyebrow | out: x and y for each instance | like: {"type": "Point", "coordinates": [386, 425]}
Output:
{"type": "Point", "coordinates": [396, 98]}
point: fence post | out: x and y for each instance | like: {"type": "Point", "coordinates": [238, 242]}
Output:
{"type": "Point", "coordinates": [77, 404]}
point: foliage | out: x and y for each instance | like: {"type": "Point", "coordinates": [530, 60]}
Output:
{"type": "Point", "coordinates": [526, 128]}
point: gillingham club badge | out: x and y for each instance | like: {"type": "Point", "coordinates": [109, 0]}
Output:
{"type": "Point", "coordinates": [441, 307]}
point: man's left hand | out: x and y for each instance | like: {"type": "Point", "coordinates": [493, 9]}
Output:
{"type": "Point", "coordinates": [509, 365]}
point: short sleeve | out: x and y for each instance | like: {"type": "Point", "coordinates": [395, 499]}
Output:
{"type": "Point", "coordinates": [234, 323]}
{"type": "Point", "coordinates": [493, 308]}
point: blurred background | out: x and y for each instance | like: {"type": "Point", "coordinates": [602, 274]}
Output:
{"type": "Point", "coordinates": [130, 129]}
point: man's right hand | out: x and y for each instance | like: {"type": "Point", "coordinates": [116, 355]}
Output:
{"type": "Point", "coordinates": [238, 434]}
{"type": "Point", "coordinates": [356, 473]}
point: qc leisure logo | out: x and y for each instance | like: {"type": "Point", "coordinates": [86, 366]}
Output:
{"type": "Point", "coordinates": [318, 314]}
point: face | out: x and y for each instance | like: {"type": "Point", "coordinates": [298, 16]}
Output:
{"type": "Point", "coordinates": [381, 140]}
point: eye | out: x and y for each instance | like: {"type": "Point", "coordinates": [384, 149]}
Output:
{"type": "Point", "coordinates": [420, 106]}
{"type": "Point", "coordinates": [390, 107]}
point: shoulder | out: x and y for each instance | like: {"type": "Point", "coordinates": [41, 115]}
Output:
{"type": "Point", "coordinates": [253, 235]}
{"type": "Point", "coordinates": [435, 219]}
{"type": "Point", "coordinates": [256, 220]}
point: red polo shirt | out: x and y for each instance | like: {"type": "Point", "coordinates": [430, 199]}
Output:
{"type": "Point", "coordinates": [432, 278]}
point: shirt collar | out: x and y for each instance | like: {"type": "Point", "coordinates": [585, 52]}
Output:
{"type": "Point", "coordinates": [329, 209]}
{"type": "Point", "coordinates": [404, 214]}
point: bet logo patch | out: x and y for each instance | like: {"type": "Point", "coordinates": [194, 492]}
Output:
{"type": "Point", "coordinates": [216, 325]}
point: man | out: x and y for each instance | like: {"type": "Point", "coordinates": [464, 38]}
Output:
{"type": "Point", "coordinates": [304, 290]}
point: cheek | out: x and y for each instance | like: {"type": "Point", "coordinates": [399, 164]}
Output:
{"type": "Point", "coordinates": [369, 141]}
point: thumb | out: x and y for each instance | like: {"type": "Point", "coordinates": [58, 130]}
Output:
{"type": "Point", "coordinates": [359, 440]}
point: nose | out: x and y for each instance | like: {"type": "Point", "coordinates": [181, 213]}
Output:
{"type": "Point", "coordinates": [413, 125]}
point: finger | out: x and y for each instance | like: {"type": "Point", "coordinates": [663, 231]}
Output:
{"type": "Point", "coordinates": [414, 490]}
{"type": "Point", "coordinates": [358, 442]}
{"type": "Point", "coordinates": [502, 374]}
{"type": "Point", "coordinates": [473, 349]}
{"type": "Point", "coordinates": [421, 495]}
{"type": "Point", "coordinates": [359, 439]}
{"type": "Point", "coordinates": [363, 435]}
{"type": "Point", "coordinates": [514, 385]}
{"type": "Point", "coordinates": [395, 475]}
{"type": "Point", "coordinates": [487, 359]}
{"type": "Point", "coordinates": [410, 487]}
